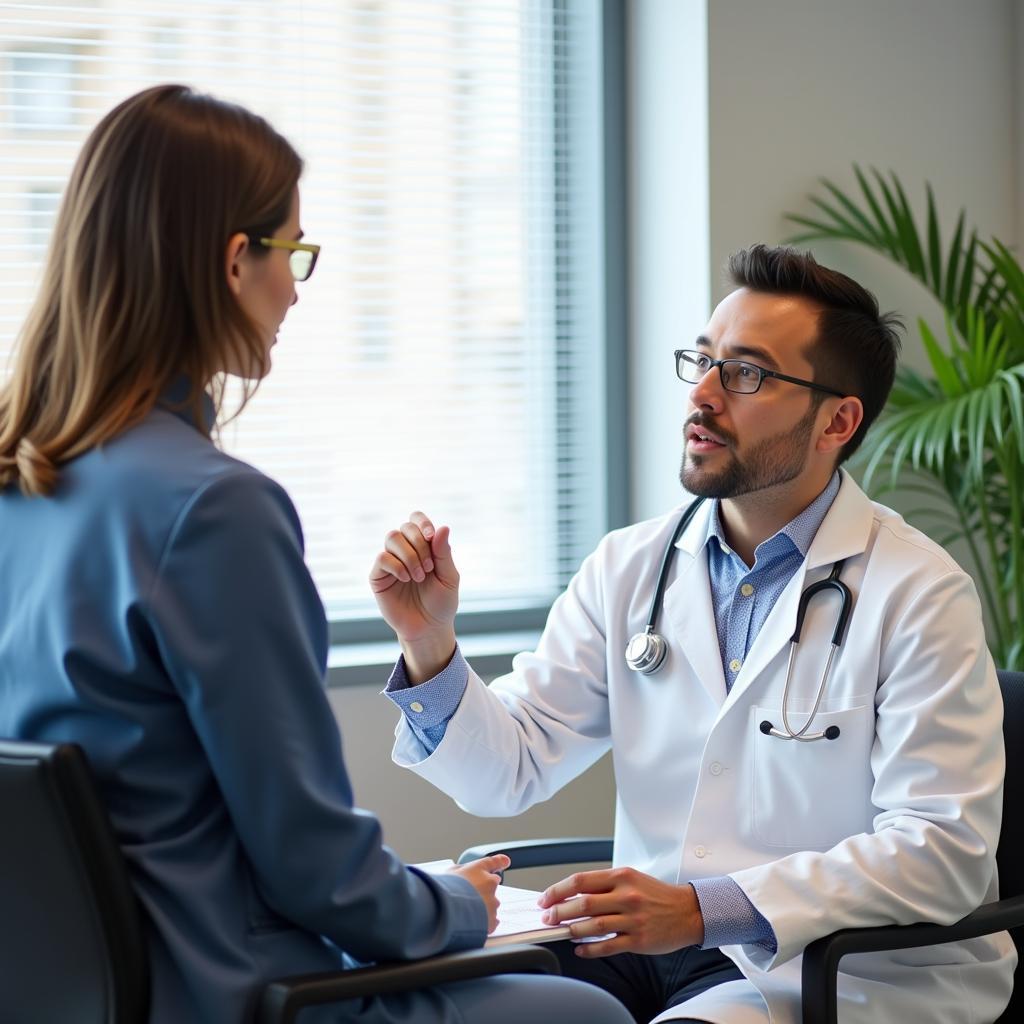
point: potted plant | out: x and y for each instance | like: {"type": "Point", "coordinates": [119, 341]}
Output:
{"type": "Point", "coordinates": [955, 435]}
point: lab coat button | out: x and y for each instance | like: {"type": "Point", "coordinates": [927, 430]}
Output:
{"type": "Point", "coordinates": [416, 706]}
{"type": "Point", "coordinates": [746, 590]}
{"type": "Point", "coordinates": [699, 851]}
{"type": "Point", "coordinates": [715, 768]}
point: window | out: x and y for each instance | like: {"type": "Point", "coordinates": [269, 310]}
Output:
{"type": "Point", "coordinates": [449, 353]}
{"type": "Point", "coordinates": [40, 89]}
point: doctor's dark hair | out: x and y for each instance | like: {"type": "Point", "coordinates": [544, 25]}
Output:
{"type": "Point", "coordinates": [857, 346]}
{"type": "Point", "coordinates": [134, 292]}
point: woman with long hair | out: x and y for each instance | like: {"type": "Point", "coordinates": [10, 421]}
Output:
{"type": "Point", "coordinates": [156, 607]}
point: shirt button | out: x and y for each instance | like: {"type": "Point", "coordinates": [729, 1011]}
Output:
{"type": "Point", "coordinates": [746, 590]}
{"type": "Point", "coordinates": [699, 851]}
{"type": "Point", "coordinates": [715, 768]}
{"type": "Point", "coordinates": [416, 706]}
{"type": "Point", "coordinates": [734, 665]}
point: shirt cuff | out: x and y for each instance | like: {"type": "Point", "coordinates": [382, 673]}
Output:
{"type": "Point", "coordinates": [730, 919]}
{"type": "Point", "coordinates": [428, 707]}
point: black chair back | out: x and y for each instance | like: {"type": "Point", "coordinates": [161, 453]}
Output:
{"type": "Point", "coordinates": [72, 946]}
{"type": "Point", "coordinates": [1010, 854]}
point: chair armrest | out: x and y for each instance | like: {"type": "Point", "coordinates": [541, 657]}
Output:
{"type": "Point", "coordinates": [821, 957]}
{"type": "Point", "coordinates": [539, 853]}
{"type": "Point", "coordinates": [281, 1000]}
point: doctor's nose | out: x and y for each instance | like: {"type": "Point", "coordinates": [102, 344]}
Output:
{"type": "Point", "coordinates": [708, 392]}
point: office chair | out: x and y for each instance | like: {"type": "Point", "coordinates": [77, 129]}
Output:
{"type": "Point", "coordinates": [821, 958]}
{"type": "Point", "coordinates": [72, 944]}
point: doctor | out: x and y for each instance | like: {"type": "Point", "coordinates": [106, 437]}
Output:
{"type": "Point", "coordinates": [761, 803]}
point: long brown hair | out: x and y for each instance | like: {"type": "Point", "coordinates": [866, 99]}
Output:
{"type": "Point", "coordinates": [134, 292]}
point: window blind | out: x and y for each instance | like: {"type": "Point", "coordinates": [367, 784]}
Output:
{"type": "Point", "coordinates": [447, 353]}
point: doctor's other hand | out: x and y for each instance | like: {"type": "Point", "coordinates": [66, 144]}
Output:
{"type": "Point", "coordinates": [416, 585]}
{"type": "Point", "coordinates": [482, 875]}
{"type": "Point", "coordinates": [645, 914]}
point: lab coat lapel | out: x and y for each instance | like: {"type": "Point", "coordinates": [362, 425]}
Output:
{"type": "Point", "coordinates": [844, 533]}
{"type": "Point", "coordinates": [689, 617]}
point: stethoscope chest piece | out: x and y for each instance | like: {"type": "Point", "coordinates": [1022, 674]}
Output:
{"type": "Point", "coordinates": [646, 651]}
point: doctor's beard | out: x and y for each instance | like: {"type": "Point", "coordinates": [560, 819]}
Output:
{"type": "Point", "coordinates": [769, 462]}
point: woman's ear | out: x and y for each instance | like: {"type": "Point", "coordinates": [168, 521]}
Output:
{"type": "Point", "coordinates": [234, 265]}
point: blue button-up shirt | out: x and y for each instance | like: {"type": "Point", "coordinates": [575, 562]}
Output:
{"type": "Point", "coordinates": [742, 597]}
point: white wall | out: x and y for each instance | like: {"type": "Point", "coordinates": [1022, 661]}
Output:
{"type": "Point", "coordinates": [801, 88]}
{"type": "Point", "coordinates": [668, 231]}
{"type": "Point", "coordinates": [797, 89]}
{"type": "Point", "coordinates": [1018, 114]}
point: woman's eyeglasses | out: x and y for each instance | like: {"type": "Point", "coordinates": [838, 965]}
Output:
{"type": "Point", "coordinates": [301, 257]}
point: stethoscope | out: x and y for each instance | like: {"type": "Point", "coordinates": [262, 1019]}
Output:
{"type": "Point", "coordinates": [645, 652]}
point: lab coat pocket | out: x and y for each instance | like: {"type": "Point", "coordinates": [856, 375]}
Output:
{"type": "Point", "coordinates": [812, 794]}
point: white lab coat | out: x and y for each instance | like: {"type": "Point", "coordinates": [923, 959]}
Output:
{"type": "Point", "coordinates": [895, 821]}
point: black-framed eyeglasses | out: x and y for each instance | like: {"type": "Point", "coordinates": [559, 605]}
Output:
{"type": "Point", "coordinates": [301, 255]}
{"type": "Point", "coordinates": [737, 375]}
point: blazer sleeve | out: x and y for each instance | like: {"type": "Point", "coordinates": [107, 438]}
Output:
{"type": "Point", "coordinates": [242, 632]}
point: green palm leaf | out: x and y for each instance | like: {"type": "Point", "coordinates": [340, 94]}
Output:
{"type": "Point", "coordinates": [956, 434]}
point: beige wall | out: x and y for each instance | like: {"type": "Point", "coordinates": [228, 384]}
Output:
{"type": "Point", "coordinates": [1018, 113]}
{"type": "Point", "coordinates": [802, 88]}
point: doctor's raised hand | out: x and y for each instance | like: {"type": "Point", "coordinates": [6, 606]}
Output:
{"type": "Point", "coordinates": [416, 585]}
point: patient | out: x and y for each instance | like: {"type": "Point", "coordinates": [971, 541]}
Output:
{"type": "Point", "coordinates": [156, 608]}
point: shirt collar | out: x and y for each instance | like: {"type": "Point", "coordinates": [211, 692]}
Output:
{"type": "Point", "coordinates": [799, 531]}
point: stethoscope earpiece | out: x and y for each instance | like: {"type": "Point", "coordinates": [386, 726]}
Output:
{"type": "Point", "coordinates": [831, 733]}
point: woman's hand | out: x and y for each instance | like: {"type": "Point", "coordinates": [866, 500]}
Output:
{"type": "Point", "coordinates": [481, 874]}
{"type": "Point", "coordinates": [416, 585]}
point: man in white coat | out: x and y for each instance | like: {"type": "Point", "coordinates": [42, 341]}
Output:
{"type": "Point", "coordinates": [737, 844]}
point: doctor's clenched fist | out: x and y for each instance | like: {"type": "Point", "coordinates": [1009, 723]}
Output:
{"type": "Point", "coordinates": [416, 585]}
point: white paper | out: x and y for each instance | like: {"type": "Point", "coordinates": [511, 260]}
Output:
{"type": "Point", "coordinates": [519, 917]}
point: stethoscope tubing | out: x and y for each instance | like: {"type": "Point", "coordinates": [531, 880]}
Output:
{"type": "Point", "coordinates": [655, 647]}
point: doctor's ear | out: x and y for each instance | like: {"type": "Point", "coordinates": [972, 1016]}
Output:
{"type": "Point", "coordinates": [235, 265]}
{"type": "Point", "coordinates": [846, 417]}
